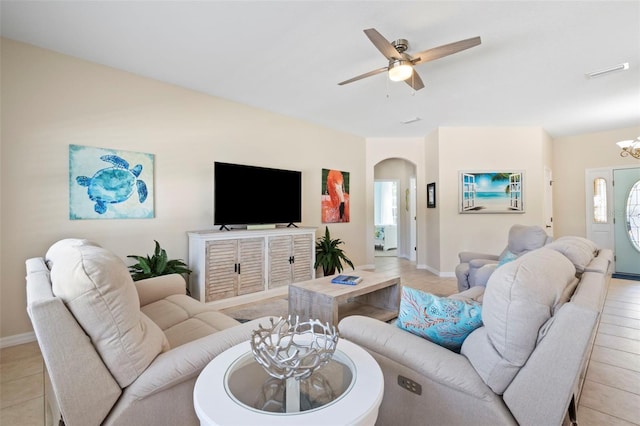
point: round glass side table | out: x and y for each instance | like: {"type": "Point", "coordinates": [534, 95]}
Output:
{"type": "Point", "coordinates": [233, 389]}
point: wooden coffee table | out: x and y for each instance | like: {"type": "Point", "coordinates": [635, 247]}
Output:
{"type": "Point", "coordinates": [376, 296]}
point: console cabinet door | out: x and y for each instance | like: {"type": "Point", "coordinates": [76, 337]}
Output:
{"type": "Point", "coordinates": [304, 257]}
{"type": "Point", "coordinates": [251, 265]}
{"type": "Point", "coordinates": [279, 261]}
{"type": "Point", "coordinates": [221, 273]}
{"type": "Point", "coordinates": [290, 258]}
{"type": "Point", "coordinates": [233, 268]}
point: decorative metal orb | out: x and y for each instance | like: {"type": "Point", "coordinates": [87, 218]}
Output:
{"type": "Point", "coordinates": [293, 349]}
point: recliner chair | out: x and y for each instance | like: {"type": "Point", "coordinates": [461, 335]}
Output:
{"type": "Point", "coordinates": [476, 268]}
{"type": "Point", "coordinates": [118, 352]}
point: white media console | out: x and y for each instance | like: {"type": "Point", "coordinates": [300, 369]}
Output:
{"type": "Point", "coordinates": [238, 266]}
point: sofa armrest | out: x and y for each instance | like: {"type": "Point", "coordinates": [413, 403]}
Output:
{"type": "Point", "coordinates": [438, 364]}
{"type": "Point", "coordinates": [157, 288]}
{"type": "Point", "coordinates": [76, 370]}
{"type": "Point", "coordinates": [186, 361]}
{"type": "Point", "coordinates": [474, 293]}
{"type": "Point", "coordinates": [480, 276]}
{"type": "Point", "coordinates": [468, 256]}
{"type": "Point", "coordinates": [479, 263]}
{"type": "Point", "coordinates": [542, 390]}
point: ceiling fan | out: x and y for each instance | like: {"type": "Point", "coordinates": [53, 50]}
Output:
{"type": "Point", "coordinates": [401, 64]}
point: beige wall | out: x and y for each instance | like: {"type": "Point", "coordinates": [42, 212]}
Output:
{"type": "Point", "coordinates": [50, 101]}
{"type": "Point", "coordinates": [486, 149]}
{"type": "Point", "coordinates": [443, 232]}
{"type": "Point", "coordinates": [572, 155]}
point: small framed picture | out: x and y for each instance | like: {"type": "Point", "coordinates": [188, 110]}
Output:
{"type": "Point", "coordinates": [431, 195]}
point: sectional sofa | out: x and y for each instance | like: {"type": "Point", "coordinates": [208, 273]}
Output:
{"type": "Point", "coordinates": [122, 353]}
{"type": "Point", "coordinates": [524, 365]}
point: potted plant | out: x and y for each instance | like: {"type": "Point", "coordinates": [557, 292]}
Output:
{"type": "Point", "coordinates": [156, 265]}
{"type": "Point", "coordinates": [329, 255]}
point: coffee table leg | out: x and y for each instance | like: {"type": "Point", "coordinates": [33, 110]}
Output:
{"type": "Point", "coordinates": [310, 305]}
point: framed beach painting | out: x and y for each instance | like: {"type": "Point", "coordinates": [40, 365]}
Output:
{"type": "Point", "coordinates": [491, 191]}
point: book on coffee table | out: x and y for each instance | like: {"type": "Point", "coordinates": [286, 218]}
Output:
{"type": "Point", "coordinates": [347, 279]}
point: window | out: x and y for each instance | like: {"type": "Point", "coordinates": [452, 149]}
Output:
{"type": "Point", "coordinates": [633, 215]}
{"type": "Point", "coordinates": [600, 201]}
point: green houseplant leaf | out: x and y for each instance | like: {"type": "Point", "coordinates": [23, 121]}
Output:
{"type": "Point", "coordinates": [329, 255]}
{"type": "Point", "coordinates": [156, 265]}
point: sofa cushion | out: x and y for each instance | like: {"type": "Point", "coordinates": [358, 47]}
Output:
{"type": "Point", "coordinates": [442, 320]}
{"type": "Point", "coordinates": [97, 288]}
{"type": "Point", "coordinates": [183, 319]}
{"type": "Point", "coordinates": [520, 297]}
{"type": "Point", "coordinates": [580, 251]}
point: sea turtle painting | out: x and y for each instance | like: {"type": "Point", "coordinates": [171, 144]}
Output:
{"type": "Point", "coordinates": [114, 184]}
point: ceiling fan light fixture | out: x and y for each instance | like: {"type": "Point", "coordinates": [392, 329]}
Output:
{"type": "Point", "coordinates": [400, 70]}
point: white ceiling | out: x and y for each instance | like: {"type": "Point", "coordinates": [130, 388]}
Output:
{"type": "Point", "coordinates": [288, 56]}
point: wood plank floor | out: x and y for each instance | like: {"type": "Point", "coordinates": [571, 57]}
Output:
{"type": "Point", "coordinates": [611, 394]}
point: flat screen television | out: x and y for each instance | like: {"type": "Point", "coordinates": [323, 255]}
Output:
{"type": "Point", "coordinates": [251, 195]}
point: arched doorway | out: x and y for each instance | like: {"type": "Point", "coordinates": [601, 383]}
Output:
{"type": "Point", "coordinates": [394, 200]}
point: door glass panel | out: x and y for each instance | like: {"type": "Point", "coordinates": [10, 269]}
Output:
{"type": "Point", "coordinates": [600, 200]}
{"type": "Point", "coordinates": [633, 215]}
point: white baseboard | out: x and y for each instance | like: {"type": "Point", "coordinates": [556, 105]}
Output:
{"type": "Point", "coordinates": [437, 272]}
{"type": "Point", "coordinates": [17, 339]}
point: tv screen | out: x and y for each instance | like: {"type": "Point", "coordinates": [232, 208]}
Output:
{"type": "Point", "coordinates": [251, 195]}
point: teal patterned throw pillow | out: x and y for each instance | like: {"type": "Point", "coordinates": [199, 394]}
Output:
{"type": "Point", "coordinates": [508, 257]}
{"type": "Point", "coordinates": [441, 320]}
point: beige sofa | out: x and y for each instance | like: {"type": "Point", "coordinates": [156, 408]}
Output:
{"type": "Point", "coordinates": [525, 365]}
{"type": "Point", "coordinates": [118, 352]}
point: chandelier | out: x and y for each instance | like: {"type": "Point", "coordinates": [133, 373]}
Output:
{"type": "Point", "coordinates": [630, 147]}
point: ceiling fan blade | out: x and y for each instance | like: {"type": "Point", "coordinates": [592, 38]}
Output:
{"type": "Point", "coordinates": [365, 75]}
{"type": "Point", "coordinates": [382, 44]}
{"type": "Point", "coordinates": [415, 81]}
{"type": "Point", "coordinates": [445, 50]}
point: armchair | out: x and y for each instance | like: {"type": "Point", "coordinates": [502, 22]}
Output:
{"type": "Point", "coordinates": [475, 268]}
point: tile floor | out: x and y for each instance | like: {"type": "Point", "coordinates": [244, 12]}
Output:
{"type": "Point", "coordinates": [611, 394]}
